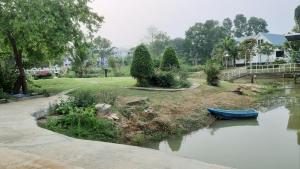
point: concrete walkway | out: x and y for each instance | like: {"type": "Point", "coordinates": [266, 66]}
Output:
{"type": "Point", "coordinates": [25, 145]}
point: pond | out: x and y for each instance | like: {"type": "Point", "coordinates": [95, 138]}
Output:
{"type": "Point", "coordinates": [270, 142]}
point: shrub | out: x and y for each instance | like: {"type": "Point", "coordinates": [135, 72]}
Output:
{"type": "Point", "coordinates": [170, 60]}
{"type": "Point", "coordinates": [212, 70]}
{"type": "Point", "coordinates": [163, 79]}
{"type": "Point", "coordinates": [142, 66]}
{"type": "Point", "coordinates": [82, 123]}
{"type": "Point", "coordinates": [156, 63]}
{"type": "Point", "coordinates": [8, 75]}
{"type": "Point", "coordinates": [84, 98]}
{"type": "Point", "coordinates": [3, 95]}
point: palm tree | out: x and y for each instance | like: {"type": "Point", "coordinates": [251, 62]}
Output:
{"type": "Point", "coordinates": [230, 48]}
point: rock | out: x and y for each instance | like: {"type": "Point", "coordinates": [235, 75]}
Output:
{"type": "Point", "coordinates": [3, 101]}
{"type": "Point", "coordinates": [103, 108]}
{"type": "Point", "coordinates": [113, 116]}
{"type": "Point", "coordinates": [137, 101]}
{"type": "Point", "coordinates": [238, 91]}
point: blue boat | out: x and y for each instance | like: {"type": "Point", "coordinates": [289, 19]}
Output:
{"type": "Point", "coordinates": [233, 114]}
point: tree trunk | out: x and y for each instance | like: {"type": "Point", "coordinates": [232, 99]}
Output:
{"type": "Point", "coordinates": [21, 81]}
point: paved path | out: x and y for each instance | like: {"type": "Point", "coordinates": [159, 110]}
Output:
{"type": "Point", "coordinates": [25, 145]}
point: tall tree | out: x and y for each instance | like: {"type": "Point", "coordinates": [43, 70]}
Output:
{"type": "Point", "coordinates": [179, 45]}
{"type": "Point", "coordinates": [102, 47]}
{"type": "Point", "coordinates": [256, 25]}
{"type": "Point", "coordinates": [297, 19]}
{"type": "Point", "coordinates": [160, 41]}
{"type": "Point", "coordinates": [240, 23]}
{"type": "Point", "coordinates": [228, 25]}
{"type": "Point", "coordinates": [201, 38]}
{"type": "Point", "coordinates": [39, 28]}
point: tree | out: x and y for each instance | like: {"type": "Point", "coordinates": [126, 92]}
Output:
{"type": "Point", "coordinates": [159, 43]}
{"type": "Point", "coordinates": [103, 47]}
{"type": "Point", "coordinates": [179, 46]}
{"type": "Point", "coordinates": [297, 19]}
{"type": "Point", "coordinates": [247, 49]}
{"type": "Point", "coordinates": [42, 29]}
{"type": "Point", "coordinates": [240, 23]}
{"type": "Point", "coordinates": [201, 39]}
{"type": "Point", "coordinates": [80, 56]}
{"type": "Point", "coordinates": [256, 25]}
{"type": "Point", "coordinates": [227, 49]}
{"type": "Point", "coordinates": [266, 49]}
{"type": "Point", "coordinates": [227, 25]}
{"type": "Point", "coordinates": [142, 66]}
{"type": "Point", "coordinates": [170, 60]}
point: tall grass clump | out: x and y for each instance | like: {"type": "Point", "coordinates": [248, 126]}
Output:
{"type": "Point", "coordinates": [212, 70]}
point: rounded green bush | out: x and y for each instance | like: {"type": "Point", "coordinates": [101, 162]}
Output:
{"type": "Point", "coordinates": [142, 65]}
{"type": "Point", "coordinates": [170, 60]}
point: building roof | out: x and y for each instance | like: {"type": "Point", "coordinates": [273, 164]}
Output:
{"type": "Point", "coordinates": [293, 37]}
{"type": "Point", "coordinates": [275, 39]}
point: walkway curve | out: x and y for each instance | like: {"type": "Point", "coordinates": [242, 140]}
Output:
{"type": "Point", "coordinates": [23, 143]}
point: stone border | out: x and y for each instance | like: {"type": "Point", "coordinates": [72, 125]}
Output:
{"type": "Point", "coordinates": [194, 86]}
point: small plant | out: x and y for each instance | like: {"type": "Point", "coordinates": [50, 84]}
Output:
{"type": "Point", "coordinates": [83, 98]}
{"type": "Point", "coordinates": [170, 60]}
{"type": "Point", "coordinates": [142, 66]}
{"type": "Point", "coordinates": [108, 97]}
{"type": "Point", "coordinates": [212, 70]}
{"type": "Point", "coordinates": [83, 123]}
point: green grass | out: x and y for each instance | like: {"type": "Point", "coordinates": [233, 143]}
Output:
{"type": "Point", "coordinates": [92, 84]}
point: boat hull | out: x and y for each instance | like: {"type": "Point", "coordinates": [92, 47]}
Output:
{"type": "Point", "coordinates": [233, 114]}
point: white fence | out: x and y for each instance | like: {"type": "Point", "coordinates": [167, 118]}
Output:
{"type": "Point", "coordinates": [261, 69]}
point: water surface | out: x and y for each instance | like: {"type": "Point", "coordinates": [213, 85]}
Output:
{"type": "Point", "coordinates": [270, 142]}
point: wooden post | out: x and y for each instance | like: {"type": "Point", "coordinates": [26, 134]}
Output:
{"type": "Point", "coordinates": [252, 78]}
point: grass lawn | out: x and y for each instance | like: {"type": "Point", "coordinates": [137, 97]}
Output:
{"type": "Point", "coordinates": [118, 84]}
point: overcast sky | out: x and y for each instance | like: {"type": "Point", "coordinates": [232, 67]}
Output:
{"type": "Point", "coordinates": [126, 21]}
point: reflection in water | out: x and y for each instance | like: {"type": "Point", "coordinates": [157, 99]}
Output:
{"type": "Point", "coordinates": [175, 143]}
{"type": "Point", "coordinates": [234, 123]}
{"type": "Point", "coordinates": [294, 120]}
{"type": "Point", "coordinates": [298, 134]}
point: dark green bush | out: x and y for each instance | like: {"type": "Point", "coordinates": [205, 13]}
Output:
{"type": "Point", "coordinates": [212, 70]}
{"type": "Point", "coordinates": [163, 79]}
{"type": "Point", "coordinates": [142, 65]}
{"type": "Point", "coordinates": [8, 75]}
{"type": "Point", "coordinates": [156, 63]}
{"type": "Point", "coordinates": [170, 60]}
{"type": "Point", "coordinates": [3, 95]}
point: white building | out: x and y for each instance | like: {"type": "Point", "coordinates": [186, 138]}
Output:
{"type": "Point", "coordinates": [274, 39]}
